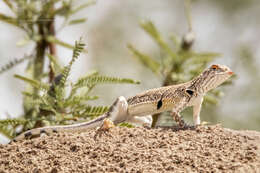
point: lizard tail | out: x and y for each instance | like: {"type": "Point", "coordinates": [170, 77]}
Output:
{"type": "Point", "coordinates": [55, 129]}
{"type": "Point", "coordinates": [111, 114]}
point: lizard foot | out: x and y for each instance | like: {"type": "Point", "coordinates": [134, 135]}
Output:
{"type": "Point", "coordinates": [189, 126]}
{"type": "Point", "coordinates": [203, 123]}
{"type": "Point", "coordinates": [104, 128]}
{"type": "Point", "coordinates": [179, 120]}
{"type": "Point", "coordinates": [193, 127]}
{"type": "Point", "coordinates": [181, 123]}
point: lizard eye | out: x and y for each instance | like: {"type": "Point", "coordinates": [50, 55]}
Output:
{"type": "Point", "coordinates": [214, 67]}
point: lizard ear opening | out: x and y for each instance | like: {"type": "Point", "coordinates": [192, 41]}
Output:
{"type": "Point", "coordinates": [190, 92]}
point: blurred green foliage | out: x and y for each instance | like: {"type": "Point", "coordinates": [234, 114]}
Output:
{"type": "Point", "coordinates": [49, 97]}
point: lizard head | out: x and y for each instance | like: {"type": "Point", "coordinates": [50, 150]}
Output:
{"type": "Point", "coordinates": [212, 77]}
{"type": "Point", "coordinates": [220, 70]}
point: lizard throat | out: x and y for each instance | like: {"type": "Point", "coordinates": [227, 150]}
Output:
{"type": "Point", "coordinates": [205, 82]}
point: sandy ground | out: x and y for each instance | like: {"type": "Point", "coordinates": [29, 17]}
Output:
{"type": "Point", "coordinates": [206, 149]}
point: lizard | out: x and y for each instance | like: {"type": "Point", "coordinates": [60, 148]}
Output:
{"type": "Point", "coordinates": [139, 108]}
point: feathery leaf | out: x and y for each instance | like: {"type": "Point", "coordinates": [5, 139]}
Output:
{"type": "Point", "coordinates": [13, 122]}
{"type": "Point", "coordinates": [7, 127]}
{"type": "Point", "coordinates": [146, 60]}
{"type": "Point", "coordinates": [34, 83]}
{"type": "Point", "coordinates": [53, 60]}
{"type": "Point", "coordinates": [55, 40]}
{"type": "Point", "coordinates": [81, 7]}
{"type": "Point", "coordinates": [149, 27]}
{"type": "Point", "coordinates": [9, 20]}
{"type": "Point", "coordinates": [79, 46]}
{"type": "Point", "coordinates": [13, 63]}
{"type": "Point", "coordinates": [201, 57]}
{"type": "Point", "coordinates": [77, 21]}
{"type": "Point", "coordinates": [7, 131]}
{"type": "Point", "coordinates": [89, 81]}
{"type": "Point", "coordinates": [9, 4]}
{"type": "Point", "coordinates": [93, 111]}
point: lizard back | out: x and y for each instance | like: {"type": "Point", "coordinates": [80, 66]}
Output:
{"type": "Point", "coordinates": [156, 100]}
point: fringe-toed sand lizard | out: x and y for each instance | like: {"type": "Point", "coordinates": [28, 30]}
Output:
{"type": "Point", "coordinates": [138, 109]}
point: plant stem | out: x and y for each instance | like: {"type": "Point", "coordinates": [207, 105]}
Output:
{"type": "Point", "coordinates": [40, 53]}
{"type": "Point", "coordinates": [53, 50]}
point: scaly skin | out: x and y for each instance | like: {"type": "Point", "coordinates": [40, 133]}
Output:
{"type": "Point", "coordinates": [139, 108]}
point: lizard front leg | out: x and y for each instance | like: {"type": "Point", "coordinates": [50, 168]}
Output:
{"type": "Point", "coordinates": [196, 110]}
{"type": "Point", "coordinates": [176, 114]}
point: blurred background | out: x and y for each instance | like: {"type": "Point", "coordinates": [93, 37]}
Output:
{"type": "Point", "coordinates": [231, 28]}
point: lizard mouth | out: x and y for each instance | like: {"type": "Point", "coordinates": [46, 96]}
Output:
{"type": "Point", "coordinates": [230, 72]}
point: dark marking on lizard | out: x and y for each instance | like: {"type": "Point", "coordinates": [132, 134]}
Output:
{"type": "Point", "coordinates": [28, 134]}
{"type": "Point", "coordinates": [159, 104]}
{"type": "Point", "coordinates": [43, 131]}
{"type": "Point", "coordinates": [54, 131]}
{"type": "Point", "coordinates": [190, 92]}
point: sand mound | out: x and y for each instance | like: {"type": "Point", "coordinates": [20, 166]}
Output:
{"type": "Point", "coordinates": [205, 149]}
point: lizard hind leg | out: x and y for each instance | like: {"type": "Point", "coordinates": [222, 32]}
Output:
{"type": "Point", "coordinates": [104, 128]}
{"type": "Point", "coordinates": [118, 111]}
{"type": "Point", "coordinates": [180, 121]}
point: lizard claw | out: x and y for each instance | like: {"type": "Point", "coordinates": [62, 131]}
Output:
{"type": "Point", "coordinates": [189, 126]}
{"type": "Point", "coordinates": [104, 128]}
{"type": "Point", "coordinates": [183, 125]}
